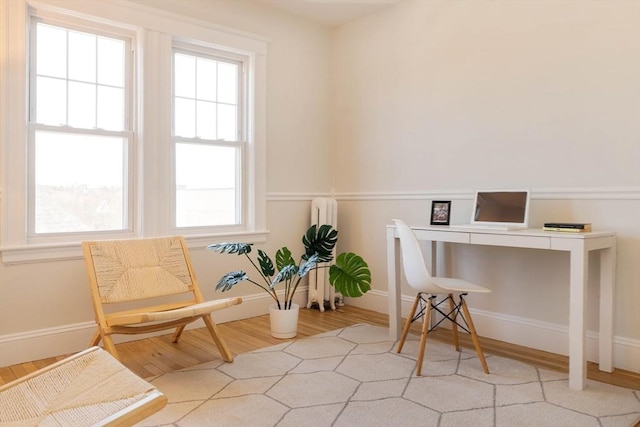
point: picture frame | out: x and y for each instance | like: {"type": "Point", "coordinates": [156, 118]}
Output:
{"type": "Point", "coordinates": [440, 212]}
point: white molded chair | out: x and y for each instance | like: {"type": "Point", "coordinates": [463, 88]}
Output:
{"type": "Point", "coordinates": [429, 289]}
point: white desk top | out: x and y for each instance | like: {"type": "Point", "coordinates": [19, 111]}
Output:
{"type": "Point", "coordinates": [533, 238]}
{"type": "Point", "coordinates": [536, 232]}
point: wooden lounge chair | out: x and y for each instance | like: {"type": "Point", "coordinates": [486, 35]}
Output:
{"type": "Point", "coordinates": [147, 271]}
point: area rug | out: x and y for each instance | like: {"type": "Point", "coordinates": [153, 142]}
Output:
{"type": "Point", "coordinates": [353, 377]}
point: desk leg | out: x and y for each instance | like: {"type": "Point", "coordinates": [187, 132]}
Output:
{"type": "Point", "coordinates": [577, 301]}
{"type": "Point", "coordinates": [432, 266]}
{"type": "Point", "coordinates": [607, 280]}
{"type": "Point", "coordinates": [394, 284]}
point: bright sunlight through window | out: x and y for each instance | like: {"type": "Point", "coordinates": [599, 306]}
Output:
{"type": "Point", "coordinates": [208, 141]}
{"type": "Point", "coordinates": [79, 139]}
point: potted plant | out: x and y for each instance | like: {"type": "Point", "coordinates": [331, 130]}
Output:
{"type": "Point", "coordinates": [349, 275]}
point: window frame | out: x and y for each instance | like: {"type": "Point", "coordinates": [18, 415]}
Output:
{"type": "Point", "coordinates": [152, 141]}
{"type": "Point", "coordinates": [128, 134]}
{"type": "Point", "coordinates": [243, 62]}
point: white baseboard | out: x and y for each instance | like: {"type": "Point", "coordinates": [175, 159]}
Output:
{"type": "Point", "coordinates": [50, 342]}
{"type": "Point", "coordinates": [544, 336]}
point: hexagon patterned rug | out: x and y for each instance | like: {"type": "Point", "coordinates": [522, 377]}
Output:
{"type": "Point", "coordinates": [353, 377]}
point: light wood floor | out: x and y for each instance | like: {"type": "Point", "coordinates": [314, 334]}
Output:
{"type": "Point", "coordinates": [154, 356]}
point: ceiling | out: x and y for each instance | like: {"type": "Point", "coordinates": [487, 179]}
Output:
{"type": "Point", "coordinates": [331, 12]}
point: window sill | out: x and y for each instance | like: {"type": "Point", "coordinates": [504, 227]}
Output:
{"type": "Point", "coordinates": [66, 251]}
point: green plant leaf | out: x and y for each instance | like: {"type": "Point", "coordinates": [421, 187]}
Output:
{"type": "Point", "coordinates": [350, 275]}
{"type": "Point", "coordinates": [231, 248]}
{"type": "Point", "coordinates": [284, 258]}
{"type": "Point", "coordinates": [320, 240]}
{"type": "Point", "coordinates": [231, 279]}
{"type": "Point", "coordinates": [266, 265]}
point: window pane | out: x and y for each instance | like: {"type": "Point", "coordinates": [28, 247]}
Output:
{"type": "Point", "coordinates": [79, 183]}
{"type": "Point", "coordinates": [51, 51]}
{"type": "Point", "coordinates": [111, 62]}
{"type": "Point", "coordinates": [75, 99]}
{"type": "Point", "coordinates": [206, 185]}
{"type": "Point", "coordinates": [51, 101]}
{"type": "Point", "coordinates": [206, 120]}
{"type": "Point", "coordinates": [227, 83]}
{"type": "Point", "coordinates": [82, 105]}
{"type": "Point", "coordinates": [110, 108]}
{"type": "Point", "coordinates": [82, 57]}
{"type": "Point", "coordinates": [185, 113]}
{"type": "Point", "coordinates": [227, 122]}
{"type": "Point", "coordinates": [184, 76]}
{"type": "Point", "coordinates": [206, 79]}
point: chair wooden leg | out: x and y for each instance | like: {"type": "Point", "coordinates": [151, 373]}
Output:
{"type": "Point", "coordinates": [407, 324]}
{"type": "Point", "coordinates": [95, 340]}
{"type": "Point", "coordinates": [222, 346]}
{"type": "Point", "coordinates": [454, 325]}
{"type": "Point", "coordinates": [474, 336]}
{"type": "Point", "coordinates": [423, 337]}
{"type": "Point", "coordinates": [110, 346]}
{"type": "Point", "coordinates": [177, 334]}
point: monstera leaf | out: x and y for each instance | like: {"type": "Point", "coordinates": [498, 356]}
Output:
{"type": "Point", "coordinates": [350, 275]}
{"type": "Point", "coordinates": [320, 240]}
{"type": "Point", "coordinates": [266, 265]}
{"type": "Point", "coordinates": [231, 248]}
{"type": "Point", "coordinates": [284, 258]}
{"type": "Point", "coordinates": [308, 265]}
{"type": "Point", "coordinates": [231, 279]}
{"type": "Point", "coordinates": [287, 272]}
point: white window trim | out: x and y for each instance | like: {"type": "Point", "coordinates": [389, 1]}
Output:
{"type": "Point", "coordinates": [153, 43]}
{"type": "Point", "coordinates": [243, 62]}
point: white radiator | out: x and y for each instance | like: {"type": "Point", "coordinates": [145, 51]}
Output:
{"type": "Point", "coordinates": [324, 210]}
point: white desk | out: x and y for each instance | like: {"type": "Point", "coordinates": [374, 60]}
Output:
{"type": "Point", "coordinates": [577, 244]}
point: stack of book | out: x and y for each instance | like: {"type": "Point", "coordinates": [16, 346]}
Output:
{"type": "Point", "coordinates": [572, 227]}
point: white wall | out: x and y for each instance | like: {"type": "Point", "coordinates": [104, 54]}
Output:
{"type": "Point", "coordinates": [423, 100]}
{"type": "Point", "coordinates": [434, 99]}
{"type": "Point", "coordinates": [489, 93]}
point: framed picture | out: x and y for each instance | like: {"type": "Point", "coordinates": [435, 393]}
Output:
{"type": "Point", "coordinates": [440, 212]}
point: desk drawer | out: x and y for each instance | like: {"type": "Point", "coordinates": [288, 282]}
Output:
{"type": "Point", "coordinates": [515, 241]}
{"type": "Point", "coordinates": [442, 236]}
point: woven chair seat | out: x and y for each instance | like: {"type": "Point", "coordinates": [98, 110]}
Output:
{"type": "Point", "coordinates": [88, 388]}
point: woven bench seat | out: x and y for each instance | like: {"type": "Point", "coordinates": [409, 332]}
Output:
{"type": "Point", "coordinates": [88, 388]}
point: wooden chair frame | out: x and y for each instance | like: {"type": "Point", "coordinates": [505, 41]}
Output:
{"type": "Point", "coordinates": [121, 271]}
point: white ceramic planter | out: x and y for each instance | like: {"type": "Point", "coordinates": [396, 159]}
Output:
{"type": "Point", "coordinates": [284, 323]}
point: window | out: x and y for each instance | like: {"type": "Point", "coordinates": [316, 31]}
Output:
{"type": "Point", "coordinates": [79, 131]}
{"type": "Point", "coordinates": [125, 122]}
{"type": "Point", "coordinates": [208, 134]}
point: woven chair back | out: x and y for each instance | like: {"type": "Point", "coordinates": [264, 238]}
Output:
{"type": "Point", "coordinates": [136, 269]}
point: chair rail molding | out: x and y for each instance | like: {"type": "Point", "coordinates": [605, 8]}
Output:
{"type": "Point", "coordinates": [564, 193]}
